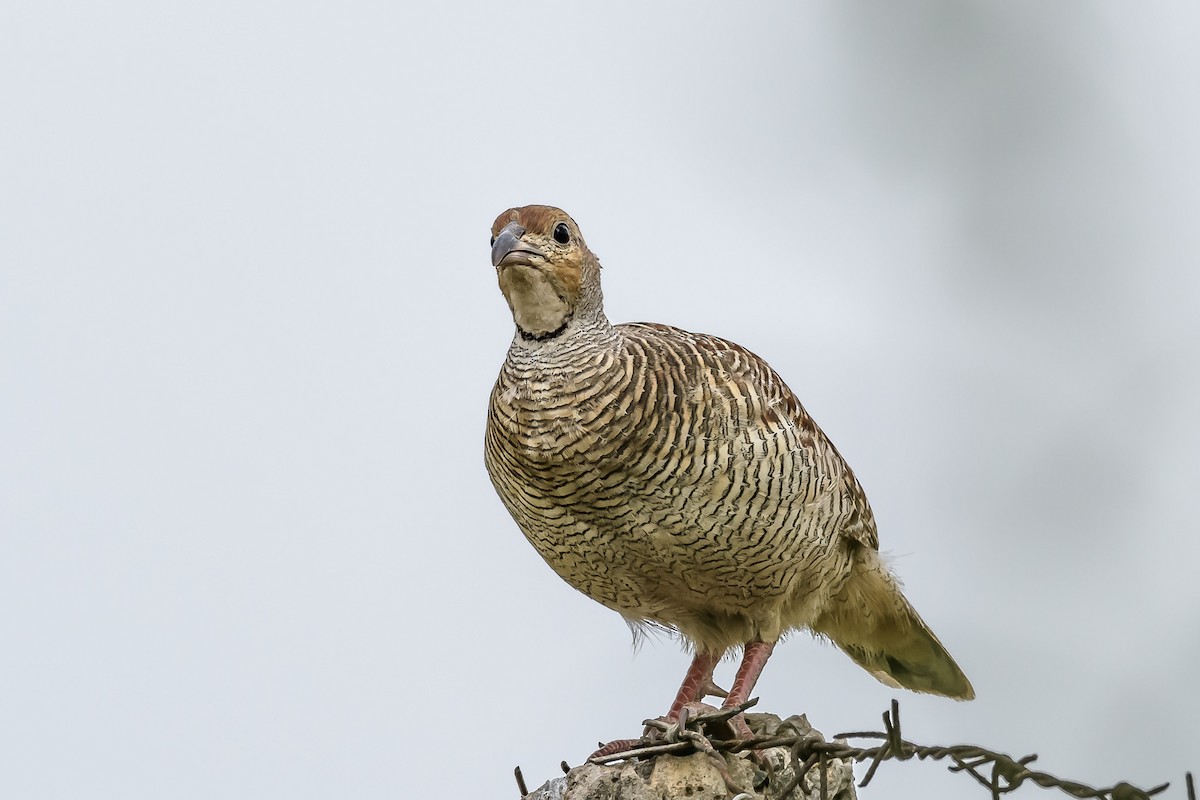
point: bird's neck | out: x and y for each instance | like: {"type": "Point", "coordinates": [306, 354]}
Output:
{"type": "Point", "coordinates": [579, 335]}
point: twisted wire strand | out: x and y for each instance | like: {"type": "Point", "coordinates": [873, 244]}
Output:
{"type": "Point", "coordinates": [998, 772]}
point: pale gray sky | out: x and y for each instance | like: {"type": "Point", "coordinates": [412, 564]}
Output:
{"type": "Point", "coordinates": [248, 326]}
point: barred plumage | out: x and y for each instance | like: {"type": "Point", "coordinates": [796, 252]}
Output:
{"type": "Point", "coordinates": [676, 479]}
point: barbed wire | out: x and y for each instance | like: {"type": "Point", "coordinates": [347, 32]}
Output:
{"type": "Point", "coordinates": [1000, 773]}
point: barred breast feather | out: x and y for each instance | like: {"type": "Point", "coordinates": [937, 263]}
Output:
{"type": "Point", "coordinates": [674, 478]}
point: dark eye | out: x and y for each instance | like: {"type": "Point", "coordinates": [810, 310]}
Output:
{"type": "Point", "coordinates": [562, 233]}
{"type": "Point", "coordinates": [492, 241]}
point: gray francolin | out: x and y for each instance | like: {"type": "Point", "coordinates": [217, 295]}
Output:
{"type": "Point", "coordinates": [675, 478]}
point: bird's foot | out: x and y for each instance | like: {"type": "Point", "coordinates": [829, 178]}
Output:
{"type": "Point", "coordinates": [727, 723]}
{"type": "Point", "coordinates": [674, 728]}
{"type": "Point", "coordinates": [731, 727]}
{"type": "Point", "coordinates": [667, 729]}
{"type": "Point", "coordinates": [694, 722]}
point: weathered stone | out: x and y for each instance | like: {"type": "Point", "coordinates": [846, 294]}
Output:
{"type": "Point", "coordinates": [696, 776]}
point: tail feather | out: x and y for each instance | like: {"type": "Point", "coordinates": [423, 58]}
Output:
{"type": "Point", "coordinates": [874, 624]}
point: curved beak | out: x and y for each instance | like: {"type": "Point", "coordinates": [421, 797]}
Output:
{"type": "Point", "coordinates": [510, 249]}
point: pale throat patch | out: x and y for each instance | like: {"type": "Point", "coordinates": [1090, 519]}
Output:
{"type": "Point", "coordinates": [536, 305]}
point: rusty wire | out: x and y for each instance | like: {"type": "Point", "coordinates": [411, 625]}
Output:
{"type": "Point", "coordinates": [1005, 775]}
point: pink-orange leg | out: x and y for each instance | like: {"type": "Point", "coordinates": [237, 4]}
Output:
{"type": "Point", "coordinates": [753, 661]}
{"type": "Point", "coordinates": [697, 684]}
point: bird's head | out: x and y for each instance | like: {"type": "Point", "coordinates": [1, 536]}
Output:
{"type": "Point", "coordinates": [545, 269]}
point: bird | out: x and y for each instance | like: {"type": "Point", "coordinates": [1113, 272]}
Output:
{"type": "Point", "coordinates": [674, 478]}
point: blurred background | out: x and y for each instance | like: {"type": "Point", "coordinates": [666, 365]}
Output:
{"type": "Point", "coordinates": [248, 327]}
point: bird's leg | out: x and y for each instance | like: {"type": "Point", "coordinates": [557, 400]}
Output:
{"type": "Point", "coordinates": [753, 660]}
{"type": "Point", "coordinates": [697, 684]}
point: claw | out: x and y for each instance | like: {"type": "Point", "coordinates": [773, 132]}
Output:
{"type": "Point", "coordinates": [685, 714]}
